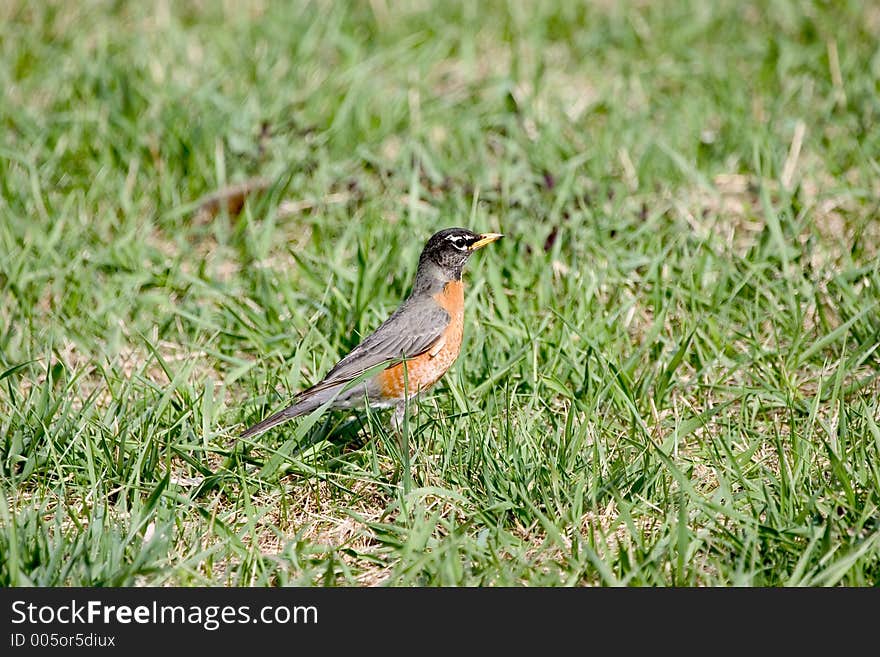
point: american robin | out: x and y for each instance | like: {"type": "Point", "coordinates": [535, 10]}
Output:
{"type": "Point", "coordinates": [417, 343]}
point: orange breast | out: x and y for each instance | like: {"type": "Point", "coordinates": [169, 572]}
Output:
{"type": "Point", "coordinates": [425, 370]}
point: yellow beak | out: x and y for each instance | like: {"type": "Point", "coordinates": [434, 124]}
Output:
{"type": "Point", "coordinates": [485, 238]}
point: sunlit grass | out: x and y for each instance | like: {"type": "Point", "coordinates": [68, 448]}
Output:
{"type": "Point", "coordinates": [670, 366]}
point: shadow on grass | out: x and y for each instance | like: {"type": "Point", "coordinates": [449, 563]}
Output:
{"type": "Point", "coordinates": [336, 435]}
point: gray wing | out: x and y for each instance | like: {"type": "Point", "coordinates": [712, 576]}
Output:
{"type": "Point", "coordinates": [408, 332]}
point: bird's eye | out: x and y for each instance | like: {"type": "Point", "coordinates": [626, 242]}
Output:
{"type": "Point", "coordinates": [458, 241]}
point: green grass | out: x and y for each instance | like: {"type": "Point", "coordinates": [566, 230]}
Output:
{"type": "Point", "coordinates": [670, 367]}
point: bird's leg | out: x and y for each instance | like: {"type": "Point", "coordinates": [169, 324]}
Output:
{"type": "Point", "coordinates": [396, 421]}
{"type": "Point", "coordinates": [398, 424]}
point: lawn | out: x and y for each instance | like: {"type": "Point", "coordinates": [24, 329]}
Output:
{"type": "Point", "coordinates": [670, 372]}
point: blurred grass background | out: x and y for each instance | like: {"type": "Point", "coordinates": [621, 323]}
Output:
{"type": "Point", "coordinates": [670, 367]}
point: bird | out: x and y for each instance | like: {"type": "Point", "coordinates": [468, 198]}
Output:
{"type": "Point", "coordinates": [417, 344]}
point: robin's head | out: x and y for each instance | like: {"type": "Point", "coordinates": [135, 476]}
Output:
{"type": "Point", "coordinates": [448, 250]}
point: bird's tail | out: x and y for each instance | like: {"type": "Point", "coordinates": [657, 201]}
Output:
{"type": "Point", "coordinates": [305, 402]}
{"type": "Point", "coordinates": [271, 421]}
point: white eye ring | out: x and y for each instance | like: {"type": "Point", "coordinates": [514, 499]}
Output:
{"type": "Point", "coordinates": [457, 241]}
